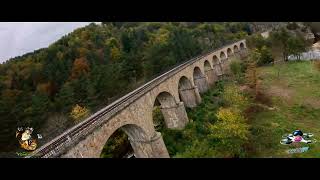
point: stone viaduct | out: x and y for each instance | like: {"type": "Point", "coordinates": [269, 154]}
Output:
{"type": "Point", "coordinates": [174, 90]}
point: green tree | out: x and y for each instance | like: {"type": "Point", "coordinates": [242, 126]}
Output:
{"type": "Point", "coordinates": [265, 56]}
{"type": "Point", "coordinates": [279, 40]}
{"type": "Point", "coordinates": [296, 46]}
{"type": "Point", "coordinates": [65, 98]}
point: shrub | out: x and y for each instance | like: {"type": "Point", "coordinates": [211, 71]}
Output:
{"type": "Point", "coordinates": [158, 119]}
{"type": "Point", "coordinates": [256, 41]}
{"type": "Point", "coordinates": [265, 56]}
{"type": "Point", "coordinates": [198, 149]}
{"type": "Point", "coordinates": [78, 113]}
{"type": "Point", "coordinates": [237, 69]}
{"type": "Point", "coordinates": [233, 97]}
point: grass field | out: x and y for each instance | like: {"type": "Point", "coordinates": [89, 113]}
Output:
{"type": "Point", "coordinates": [295, 91]}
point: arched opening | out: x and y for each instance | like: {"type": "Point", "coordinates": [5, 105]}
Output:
{"type": "Point", "coordinates": [119, 144]}
{"type": "Point", "coordinates": [215, 60]}
{"type": "Point", "coordinates": [224, 61]}
{"type": "Point", "coordinates": [200, 80]}
{"type": "Point", "coordinates": [217, 65]}
{"type": "Point", "coordinates": [207, 66]}
{"type": "Point", "coordinates": [167, 106]}
{"type": "Point", "coordinates": [222, 56]}
{"type": "Point", "coordinates": [168, 115]}
{"type": "Point", "coordinates": [209, 72]}
{"type": "Point", "coordinates": [187, 92]}
{"type": "Point", "coordinates": [229, 52]}
{"type": "Point", "coordinates": [235, 49]}
{"type": "Point", "coordinates": [242, 46]}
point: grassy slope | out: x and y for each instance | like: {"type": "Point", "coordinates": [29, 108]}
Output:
{"type": "Point", "coordinates": [296, 95]}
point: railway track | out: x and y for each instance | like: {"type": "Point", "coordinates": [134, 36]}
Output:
{"type": "Point", "coordinates": [53, 147]}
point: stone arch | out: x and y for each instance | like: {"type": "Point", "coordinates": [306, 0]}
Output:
{"type": "Point", "coordinates": [229, 52]}
{"type": "Point", "coordinates": [224, 61]}
{"type": "Point", "coordinates": [174, 113]}
{"type": "Point", "coordinates": [222, 56]}
{"type": "Point", "coordinates": [200, 80]}
{"type": "Point", "coordinates": [209, 72]}
{"type": "Point", "coordinates": [135, 134]}
{"type": "Point", "coordinates": [235, 49]}
{"type": "Point", "coordinates": [242, 47]}
{"type": "Point", "coordinates": [165, 99]}
{"type": "Point", "coordinates": [188, 93]}
{"type": "Point", "coordinates": [215, 60]}
{"type": "Point", "coordinates": [207, 65]}
{"type": "Point", "coordinates": [217, 65]}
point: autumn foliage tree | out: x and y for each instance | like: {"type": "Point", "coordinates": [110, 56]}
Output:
{"type": "Point", "coordinates": [80, 67]}
{"type": "Point", "coordinates": [251, 73]}
{"type": "Point", "coordinates": [78, 113]}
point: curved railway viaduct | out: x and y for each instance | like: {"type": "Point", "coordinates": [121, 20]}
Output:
{"type": "Point", "coordinates": [174, 90]}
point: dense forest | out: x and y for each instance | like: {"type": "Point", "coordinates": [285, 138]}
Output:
{"type": "Point", "coordinates": [92, 66]}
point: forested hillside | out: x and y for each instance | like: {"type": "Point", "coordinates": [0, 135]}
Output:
{"type": "Point", "coordinates": [92, 66]}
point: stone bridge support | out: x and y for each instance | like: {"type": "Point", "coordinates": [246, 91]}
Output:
{"type": "Point", "coordinates": [153, 148]}
{"type": "Point", "coordinates": [225, 66]}
{"type": "Point", "coordinates": [200, 80]}
{"type": "Point", "coordinates": [201, 83]}
{"type": "Point", "coordinates": [188, 93]}
{"type": "Point", "coordinates": [190, 96]}
{"type": "Point", "coordinates": [210, 73]}
{"type": "Point", "coordinates": [175, 116]}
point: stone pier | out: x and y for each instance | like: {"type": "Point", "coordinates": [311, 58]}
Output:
{"type": "Point", "coordinates": [153, 148]}
{"type": "Point", "coordinates": [211, 76]}
{"type": "Point", "coordinates": [175, 117]}
{"type": "Point", "coordinates": [201, 83]}
{"type": "Point", "coordinates": [190, 96]}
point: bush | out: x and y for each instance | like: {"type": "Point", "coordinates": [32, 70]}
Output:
{"type": "Point", "coordinates": [257, 41]}
{"type": "Point", "coordinates": [158, 119]}
{"type": "Point", "coordinates": [233, 97]}
{"type": "Point", "coordinates": [198, 149]}
{"type": "Point", "coordinates": [237, 69]}
{"type": "Point", "coordinates": [265, 56]}
{"type": "Point", "coordinates": [78, 113]}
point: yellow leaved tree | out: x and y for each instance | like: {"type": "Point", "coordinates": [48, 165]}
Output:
{"type": "Point", "coordinates": [231, 131]}
{"type": "Point", "coordinates": [231, 123]}
{"type": "Point", "coordinates": [78, 113]}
